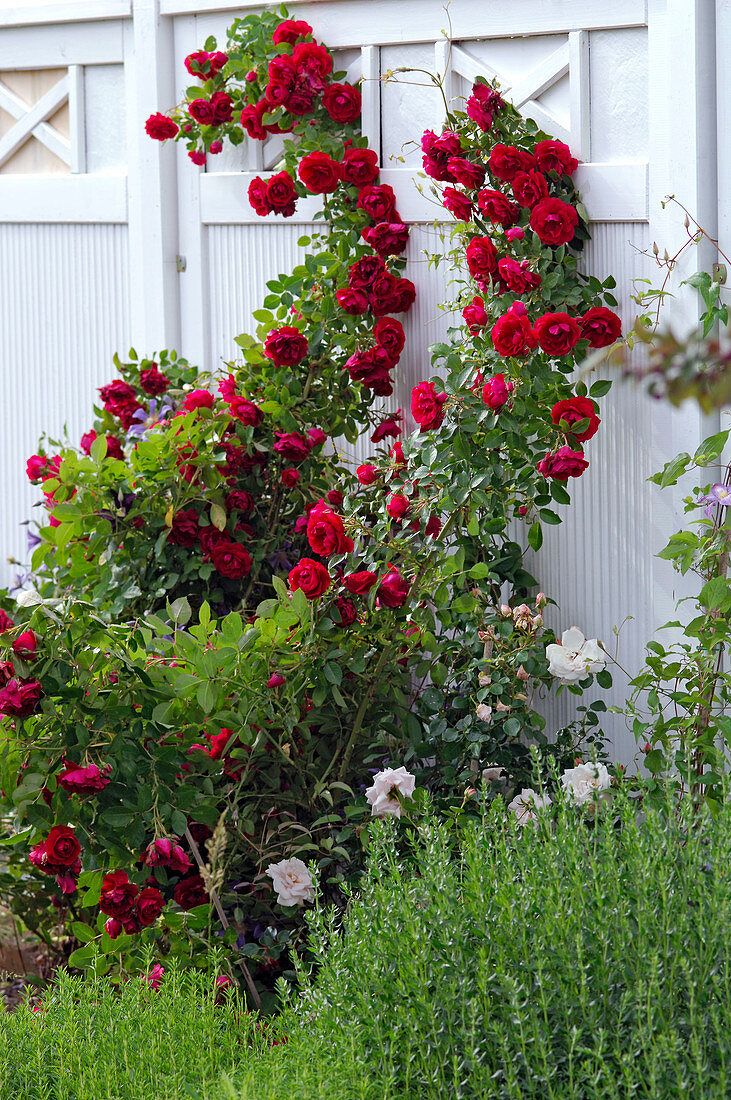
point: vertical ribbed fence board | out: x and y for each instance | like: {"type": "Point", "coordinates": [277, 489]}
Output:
{"type": "Point", "coordinates": [64, 311]}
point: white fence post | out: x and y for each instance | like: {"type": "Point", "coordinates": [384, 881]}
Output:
{"type": "Point", "coordinates": [152, 185]}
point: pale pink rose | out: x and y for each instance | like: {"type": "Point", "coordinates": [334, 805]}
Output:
{"type": "Point", "coordinates": [380, 795]}
{"type": "Point", "coordinates": [292, 882]}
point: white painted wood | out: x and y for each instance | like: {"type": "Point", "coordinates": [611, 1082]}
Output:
{"type": "Point", "coordinates": [723, 125]}
{"type": "Point", "coordinates": [77, 106]}
{"type": "Point", "coordinates": [38, 200]}
{"type": "Point", "coordinates": [469, 18]}
{"type": "Point", "coordinates": [611, 192]}
{"type": "Point", "coordinates": [193, 285]}
{"type": "Point", "coordinates": [579, 106]}
{"type": "Point", "coordinates": [446, 64]}
{"type": "Point", "coordinates": [17, 108]}
{"type": "Point", "coordinates": [38, 13]}
{"type": "Point", "coordinates": [33, 116]}
{"type": "Point", "coordinates": [149, 68]}
{"type": "Point", "coordinates": [370, 92]}
{"type": "Point", "coordinates": [60, 45]}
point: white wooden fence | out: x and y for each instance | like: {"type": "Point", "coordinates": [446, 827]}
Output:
{"type": "Point", "coordinates": [96, 221]}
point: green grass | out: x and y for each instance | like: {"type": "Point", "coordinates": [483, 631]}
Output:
{"type": "Point", "coordinates": [584, 962]}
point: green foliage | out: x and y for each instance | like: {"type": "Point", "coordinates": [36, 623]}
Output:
{"type": "Point", "coordinates": [94, 1041]}
{"type": "Point", "coordinates": [586, 962]}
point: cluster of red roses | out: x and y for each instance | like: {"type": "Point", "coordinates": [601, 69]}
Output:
{"type": "Point", "coordinates": [59, 855]}
{"type": "Point", "coordinates": [554, 222]}
{"type": "Point", "coordinates": [130, 909]}
{"type": "Point", "coordinates": [18, 697]}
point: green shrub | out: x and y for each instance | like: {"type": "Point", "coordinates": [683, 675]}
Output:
{"type": "Point", "coordinates": [589, 961]}
{"type": "Point", "coordinates": [93, 1041]}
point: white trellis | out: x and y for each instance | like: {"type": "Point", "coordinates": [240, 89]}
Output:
{"type": "Point", "coordinates": [129, 243]}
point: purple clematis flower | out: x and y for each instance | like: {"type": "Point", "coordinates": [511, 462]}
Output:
{"type": "Point", "coordinates": [145, 419]}
{"type": "Point", "coordinates": [719, 495]}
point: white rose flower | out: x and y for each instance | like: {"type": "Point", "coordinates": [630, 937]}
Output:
{"type": "Point", "coordinates": [292, 881]}
{"type": "Point", "coordinates": [380, 796]}
{"type": "Point", "coordinates": [483, 712]}
{"type": "Point", "coordinates": [526, 805]}
{"type": "Point", "coordinates": [576, 657]}
{"type": "Point", "coordinates": [585, 783]}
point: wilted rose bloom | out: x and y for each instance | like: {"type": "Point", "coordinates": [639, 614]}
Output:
{"type": "Point", "coordinates": [380, 794]}
{"type": "Point", "coordinates": [483, 712]}
{"type": "Point", "coordinates": [586, 783]}
{"type": "Point", "coordinates": [575, 657]}
{"type": "Point", "coordinates": [79, 780]}
{"type": "Point", "coordinates": [292, 882]}
{"type": "Point", "coordinates": [525, 806]}
{"type": "Point", "coordinates": [493, 773]}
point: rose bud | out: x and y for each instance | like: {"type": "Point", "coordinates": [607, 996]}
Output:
{"type": "Point", "coordinates": [25, 645]}
{"type": "Point", "coordinates": [113, 928]}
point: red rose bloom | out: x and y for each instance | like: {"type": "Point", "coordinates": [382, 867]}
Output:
{"type": "Point", "coordinates": [313, 64]}
{"type": "Point", "coordinates": [346, 610]}
{"type": "Point", "coordinates": [149, 905]}
{"type": "Point", "coordinates": [387, 238]}
{"type": "Point", "coordinates": [281, 194]}
{"type": "Point", "coordinates": [36, 466]}
{"type": "Point", "coordinates": [397, 456]}
{"type": "Point", "coordinates": [562, 465]}
{"type": "Point", "coordinates": [367, 474]}
{"type": "Point", "coordinates": [352, 301]}
{"type": "Point", "coordinates": [365, 271]}
{"type": "Point", "coordinates": [389, 334]}
{"type": "Point", "coordinates": [512, 334]}
{"type": "Point", "coordinates": [427, 406]}
{"type": "Point", "coordinates": [437, 152]}
{"type": "Point", "coordinates": [231, 559]}
{"type": "Point", "coordinates": [252, 119]}
{"type": "Point", "coordinates": [118, 894]}
{"type": "Point", "coordinates": [398, 506]}
{"type": "Point", "coordinates": [153, 382]}
{"type": "Point", "coordinates": [378, 201]}
{"type": "Point", "coordinates": [325, 532]}
{"type": "Point", "coordinates": [258, 197]}
{"type": "Point", "coordinates": [198, 399]}
{"type": "Point", "coordinates": [184, 528]}
{"type": "Point", "coordinates": [62, 847]}
{"type": "Point", "coordinates": [78, 780]}
{"type": "Point", "coordinates": [554, 221]}
{"type": "Point", "coordinates": [290, 30]}
{"type": "Point", "coordinates": [393, 591]}
{"type": "Point", "coordinates": [475, 315]}
{"type": "Point", "coordinates": [197, 156]}
{"type": "Point", "coordinates": [18, 699]}
{"type": "Point", "coordinates": [286, 346]}
{"type": "Point", "coordinates": [311, 576]}
{"type": "Point", "coordinates": [342, 102]}
{"type": "Point", "coordinates": [529, 188]}
{"type": "Point", "coordinates": [319, 173]}
{"type": "Point", "coordinates": [404, 298]}
{"type": "Point", "coordinates": [290, 478]}
{"type": "Point", "coordinates": [506, 161]}
{"type": "Point", "coordinates": [497, 207]}
{"type": "Point", "coordinates": [359, 166]}
{"type": "Point", "coordinates": [6, 623]}
{"type": "Point", "coordinates": [482, 105]}
{"type": "Point", "coordinates": [496, 392]}
{"type": "Point", "coordinates": [25, 645]}
{"type": "Point", "coordinates": [292, 445]}
{"type": "Point", "coordinates": [600, 326]}
{"type": "Point", "coordinates": [360, 583]}
{"type": "Point", "coordinates": [190, 892]}
{"type": "Point", "coordinates": [557, 333]}
{"type": "Point", "coordinates": [573, 410]}
{"type": "Point", "coordinates": [204, 65]}
{"type": "Point", "coordinates": [239, 501]}
{"type": "Point", "coordinates": [465, 172]}
{"type": "Point", "coordinates": [160, 127]}
{"type": "Point", "coordinates": [517, 276]}
{"type": "Point", "coordinates": [457, 204]}
{"type": "Point", "coordinates": [383, 294]}
{"type": "Point", "coordinates": [371, 368]}
{"type": "Point", "coordinates": [433, 527]}
{"type": "Point", "coordinates": [481, 259]}
{"type": "Point", "coordinates": [246, 411]}
{"type": "Point", "coordinates": [391, 426]}
{"type": "Point", "coordinates": [210, 537]}
{"type": "Point", "coordinates": [554, 156]}
{"type": "Point", "coordinates": [202, 111]}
